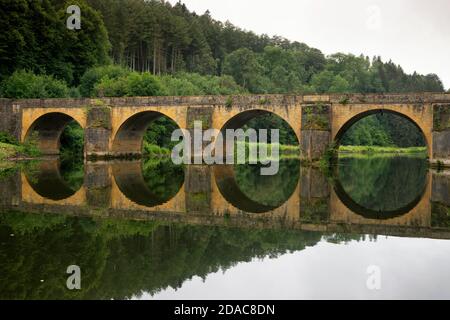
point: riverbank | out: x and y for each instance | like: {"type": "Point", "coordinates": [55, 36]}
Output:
{"type": "Point", "coordinates": [13, 152]}
{"type": "Point", "coordinates": [377, 149]}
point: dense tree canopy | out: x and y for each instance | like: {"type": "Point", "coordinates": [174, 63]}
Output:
{"type": "Point", "coordinates": [35, 37]}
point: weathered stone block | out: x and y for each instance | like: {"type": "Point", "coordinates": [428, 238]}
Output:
{"type": "Point", "coordinates": [441, 117]}
{"type": "Point", "coordinates": [10, 118]}
{"type": "Point", "coordinates": [98, 130]}
{"type": "Point", "coordinates": [316, 117]}
{"type": "Point", "coordinates": [440, 215]}
{"type": "Point", "coordinates": [203, 114]}
{"type": "Point", "coordinates": [441, 144]}
{"type": "Point", "coordinates": [97, 141]}
{"type": "Point", "coordinates": [99, 117]}
{"type": "Point", "coordinates": [440, 191]}
{"type": "Point", "coordinates": [314, 144]}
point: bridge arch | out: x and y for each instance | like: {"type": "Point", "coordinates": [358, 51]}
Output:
{"type": "Point", "coordinates": [129, 135]}
{"type": "Point", "coordinates": [48, 128]}
{"type": "Point", "coordinates": [235, 118]}
{"type": "Point", "coordinates": [344, 118]}
{"type": "Point", "coordinates": [239, 119]}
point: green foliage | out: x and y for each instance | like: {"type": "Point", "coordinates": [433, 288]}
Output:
{"type": "Point", "coordinates": [377, 149]}
{"type": "Point", "coordinates": [268, 190]}
{"type": "Point", "coordinates": [160, 131]}
{"type": "Point", "coordinates": [383, 183]}
{"type": "Point", "coordinates": [30, 146]}
{"type": "Point", "coordinates": [269, 121]}
{"type": "Point", "coordinates": [35, 37]}
{"type": "Point", "coordinates": [155, 150]}
{"type": "Point", "coordinates": [163, 178]}
{"type": "Point", "coordinates": [72, 170]}
{"type": "Point", "coordinates": [25, 84]}
{"type": "Point", "coordinates": [72, 141]}
{"type": "Point", "coordinates": [144, 84]}
{"type": "Point", "coordinates": [120, 259]}
{"type": "Point", "coordinates": [94, 75]}
{"type": "Point", "coordinates": [384, 130]}
{"type": "Point", "coordinates": [7, 150]}
{"type": "Point", "coordinates": [132, 84]}
{"type": "Point", "coordinates": [196, 84]}
{"type": "Point", "coordinates": [7, 138]}
{"type": "Point", "coordinates": [10, 147]}
{"type": "Point", "coordinates": [245, 68]}
{"type": "Point", "coordinates": [187, 53]}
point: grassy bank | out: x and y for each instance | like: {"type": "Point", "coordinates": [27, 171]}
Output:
{"type": "Point", "coordinates": [8, 150]}
{"type": "Point", "coordinates": [152, 150]}
{"type": "Point", "coordinates": [377, 149]}
{"type": "Point", "coordinates": [17, 151]}
{"type": "Point", "coordinates": [283, 149]}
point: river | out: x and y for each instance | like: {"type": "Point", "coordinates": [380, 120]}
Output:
{"type": "Point", "coordinates": [372, 227]}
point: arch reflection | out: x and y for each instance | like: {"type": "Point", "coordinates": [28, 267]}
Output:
{"type": "Point", "coordinates": [380, 187]}
{"type": "Point", "coordinates": [55, 179]}
{"type": "Point", "coordinates": [245, 188]}
{"type": "Point", "coordinates": [148, 183]}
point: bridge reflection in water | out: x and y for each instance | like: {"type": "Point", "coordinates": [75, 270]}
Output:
{"type": "Point", "coordinates": [298, 198]}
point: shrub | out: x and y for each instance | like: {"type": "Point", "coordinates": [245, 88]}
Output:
{"type": "Point", "coordinates": [93, 76]}
{"type": "Point", "coordinates": [7, 138]}
{"type": "Point", "coordinates": [144, 84]}
{"type": "Point", "coordinates": [25, 84]}
{"type": "Point", "coordinates": [72, 141]}
{"type": "Point", "coordinates": [212, 85]}
{"type": "Point", "coordinates": [30, 146]}
{"type": "Point", "coordinates": [110, 87]}
{"type": "Point", "coordinates": [133, 84]}
{"type": "Point", "coordinates": [155, 150]}
{"type": "Point", "coordinates": [175, 86]}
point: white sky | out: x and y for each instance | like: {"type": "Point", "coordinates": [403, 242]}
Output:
{"type": "Point", "coordinates": [413, 33]}
{"type": "Point", "coordinates": [409, 269]}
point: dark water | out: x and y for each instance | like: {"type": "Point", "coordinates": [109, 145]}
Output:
{"type": "Point", "coordinates": [155, 230]}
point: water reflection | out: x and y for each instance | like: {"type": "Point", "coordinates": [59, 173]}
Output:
{"type": "Point", "coordinates": [381, 187]}
{"type": "Point", "coordinates": [145, 229]}
{"type": "Point", "coordinates": [150, 183]}
{"type": "Point", "coordinates": [372, 187]}
{"type": "Point", "coordinates": [120, 258]}
{"type": "Point", "coordinates": [54, 179]}
{"type": "Point", "coordinates": [246, 189]}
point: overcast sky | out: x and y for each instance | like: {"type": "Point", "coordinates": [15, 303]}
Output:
{"type": "Point", "coordinates": [413, 33]}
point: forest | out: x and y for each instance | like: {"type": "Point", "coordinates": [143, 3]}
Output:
{"type": "Point", "coordinates": [144, 48]}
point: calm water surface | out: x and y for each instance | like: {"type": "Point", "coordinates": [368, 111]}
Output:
{"type": "Point", "coordinates": [153, 230]}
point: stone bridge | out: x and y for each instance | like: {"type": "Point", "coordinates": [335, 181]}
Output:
{"type": "Point", "coordinates": [211, 196]}
{"type": "Point", "coordinates": [116, 126]}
